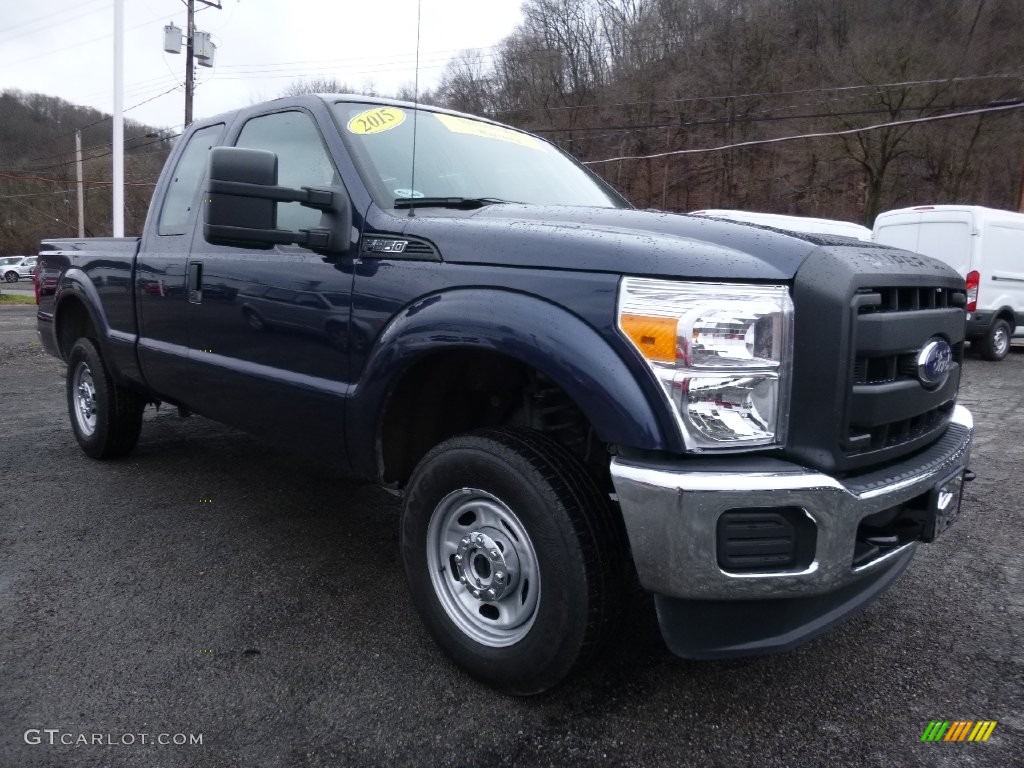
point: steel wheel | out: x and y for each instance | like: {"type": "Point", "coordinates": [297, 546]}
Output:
{"type": "Point", "coordinates": [105, 417]}
{"type": "Point", "coordinates": [483, 567]}
{"type": "Point", "coordinates": [995, 344]}
{"type": "Point", "coordinates": [85, 399]}
{"type": "Point", "coordinates": [1001, 341]}
{"type": "Point", "coordinates": [513, 557]}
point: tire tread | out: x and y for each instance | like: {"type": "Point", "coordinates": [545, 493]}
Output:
{"type": "Point", "coordinates": [588, 519]}
{"type": "Point", "coordinates": [124, 422]}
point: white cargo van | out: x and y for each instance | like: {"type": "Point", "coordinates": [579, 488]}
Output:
{"type": "Point", "coordinates": [791, 223]}
{"type": "Point", "coordinates": [986, 246]}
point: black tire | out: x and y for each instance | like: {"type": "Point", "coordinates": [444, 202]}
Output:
{"type": "Point", "coordinates": [572, 534]}
{"type": "Point", "coordinates": [995, 344]}
{"type": "Point", "coordinates": [11, 277]}
{"type": "Point", "coordinates": [114, 413]}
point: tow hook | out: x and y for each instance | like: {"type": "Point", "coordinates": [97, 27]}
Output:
{"type": "Point", "coordinates": [969, 475]}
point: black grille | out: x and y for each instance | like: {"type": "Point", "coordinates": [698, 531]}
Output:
{"type": "Point", "coordinates": [895, 299]}
{"type": "Point", "coordinates": [898, 432]}
{"type": "Point", "coordinates": [862, 316]}
{"type": "Point", "coordinates": [879, 369]}
{"type": "Point", "coordinates": [420, 248]}
{"type": "Point", "coordinates": [888, 406]}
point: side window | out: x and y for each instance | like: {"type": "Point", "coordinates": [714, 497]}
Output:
{"type": "Point", "coordinates": [182, 195]}
{"type": "Point", "coordinates": [302, 160]}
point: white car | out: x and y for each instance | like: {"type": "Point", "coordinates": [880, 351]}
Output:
{"type": "Point", "coordinates": [13, 268]}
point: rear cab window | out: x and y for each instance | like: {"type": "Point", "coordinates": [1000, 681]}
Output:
{"type": "Point", "coordinates": [182, 196]}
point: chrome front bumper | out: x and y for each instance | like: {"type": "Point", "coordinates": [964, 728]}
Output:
{"type": "Point", "coordinates": [671, 515]}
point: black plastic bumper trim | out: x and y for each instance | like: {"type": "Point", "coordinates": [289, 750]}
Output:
{"type": "Point", "coordinates": [719, 629]}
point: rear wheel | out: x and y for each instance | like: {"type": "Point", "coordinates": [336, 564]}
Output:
{"type": "Point", "coordinates": [996, 343]}
{"type": "Point", "coordinates": [11, 277]}
{"type": "Point", "coordinates": [105, 418]}
{"type": "Point", "coordinates": [513, 557]}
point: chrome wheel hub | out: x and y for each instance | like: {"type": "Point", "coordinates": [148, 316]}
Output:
{"type": "Point", "coordinates": [1001, 340]}
{"type": "Point", "coordinates": [482, 564]}
{"type": "Point", "coordinates": [85, 399]}
{"type": "Point", "coordinates": [483, 567]}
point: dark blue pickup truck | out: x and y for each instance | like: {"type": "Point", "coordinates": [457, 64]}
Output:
{"type": "Point", "coordinates": [569, 394]}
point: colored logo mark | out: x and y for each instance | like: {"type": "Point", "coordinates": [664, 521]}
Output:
{"type": "Point", "coordinates": [958, 730]}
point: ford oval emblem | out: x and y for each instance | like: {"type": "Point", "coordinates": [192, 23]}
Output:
{"type": "Point", "coordinates": [934, 362]}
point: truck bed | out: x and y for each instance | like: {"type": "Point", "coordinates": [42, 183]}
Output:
{"type": "Point", "coordinates": [103, 265]}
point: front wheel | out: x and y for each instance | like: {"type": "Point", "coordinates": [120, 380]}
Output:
{"type": "Point", "coordinates": [105, 418]}
{"type": "Point", "coordinates": [996, 343]}
{"type": "Point", "coordinates": [513, 557]}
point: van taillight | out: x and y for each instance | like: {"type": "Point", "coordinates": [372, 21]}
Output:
{"type": "Point", "coordinates": [973, 278]}
{"type": "Point", "coordinates": [35, 281]}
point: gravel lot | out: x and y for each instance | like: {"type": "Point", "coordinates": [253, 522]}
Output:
{"type": "Point", "coordinates": [212, 585]}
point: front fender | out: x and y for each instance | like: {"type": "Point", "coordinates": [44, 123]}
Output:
{"type": "Point", "coordinates": [615, 397]}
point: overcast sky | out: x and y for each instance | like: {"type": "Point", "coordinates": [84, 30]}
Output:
{"type": "Point", "coordinates": [65, 48]}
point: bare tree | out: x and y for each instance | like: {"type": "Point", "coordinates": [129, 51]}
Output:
{"type": "Point", "coordinates": [318, 85]}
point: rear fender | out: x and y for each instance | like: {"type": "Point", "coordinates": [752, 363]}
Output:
{"type": "Point", "coordinates": [116, 347]}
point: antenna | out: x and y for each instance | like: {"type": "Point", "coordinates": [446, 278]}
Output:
{"type": "Point", "coordinates": [415, 112]}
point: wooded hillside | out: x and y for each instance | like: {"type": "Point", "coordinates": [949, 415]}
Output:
{"type": "Point", "coordinates": [38, 197]}
{"type": "Point", "coordinates": [612, 78]}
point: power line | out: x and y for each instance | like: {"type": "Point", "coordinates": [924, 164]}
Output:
{"type": "Point", "coordinates": [98, 156]}
{"type": "Point", "coordinates": [824, 89]}
{"type": "Point", "coordinates": [92, 124]}
{"type": "Point", "coordinates": [61, 13]}
{"type": "Point", "coordinates": [68, 181]}
{"type": "Point", "coordinates": [37, 194]}
{"type": "Point", "coordinates": [823, 134]}
{"type": "Point", "coordinates": [49, 52]}
{"type": "Point", "coordinates": [756, 118]}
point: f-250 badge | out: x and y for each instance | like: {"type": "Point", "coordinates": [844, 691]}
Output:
{"type": "Point", "coordinates": [385, 246]}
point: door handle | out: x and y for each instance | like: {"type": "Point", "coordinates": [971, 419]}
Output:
{"type": "Point", "coordinates": [195, 282]}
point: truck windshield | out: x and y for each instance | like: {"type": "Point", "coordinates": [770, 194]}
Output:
{"type": "Point", "coordinates": [461, 159]}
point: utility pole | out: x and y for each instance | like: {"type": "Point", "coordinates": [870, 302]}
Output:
{"type": "Point", "coordinates": [190, 50]}
{"type": "Point", "coordinates": [190, 34]}
{"type": "Point", "coordinates": [78, 176]}
{"type": "Point", "coordinates": [117, 187]}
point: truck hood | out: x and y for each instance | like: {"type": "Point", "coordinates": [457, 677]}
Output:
{"type": "Point", "coordinates": [621, 241]}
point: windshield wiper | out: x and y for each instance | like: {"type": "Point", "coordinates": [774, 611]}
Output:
{"type": "Point", "coordinates": [462, 203]}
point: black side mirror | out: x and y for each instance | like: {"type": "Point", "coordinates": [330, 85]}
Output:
{"type": "Point", "coordinates": [240, 205]}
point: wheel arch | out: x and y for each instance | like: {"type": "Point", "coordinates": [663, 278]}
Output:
{"type": "Point", "coordinates": [75, 316]}
{"type": "Point", "coordinates": [493, 336]}
{"type": "Point", "coordinates": [1006, 313]}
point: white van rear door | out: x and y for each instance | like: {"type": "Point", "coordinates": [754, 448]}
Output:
{"type": "Point", "coordinates": [1003, 267]}
{"type": "Point", "coordinates": [902, 235]}
{"type": "Point", "coordinates": [947, 241]}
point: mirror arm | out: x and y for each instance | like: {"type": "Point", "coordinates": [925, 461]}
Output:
{"type": "Point", "coordinates": [317, 239]}
{"type": "Point", "coordinates": [322, 199]}
{"type": "Point", "coordinates": [314, 239]}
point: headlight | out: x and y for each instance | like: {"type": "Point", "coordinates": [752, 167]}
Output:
{"type": "Point", "coordinates": [723, 353]}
